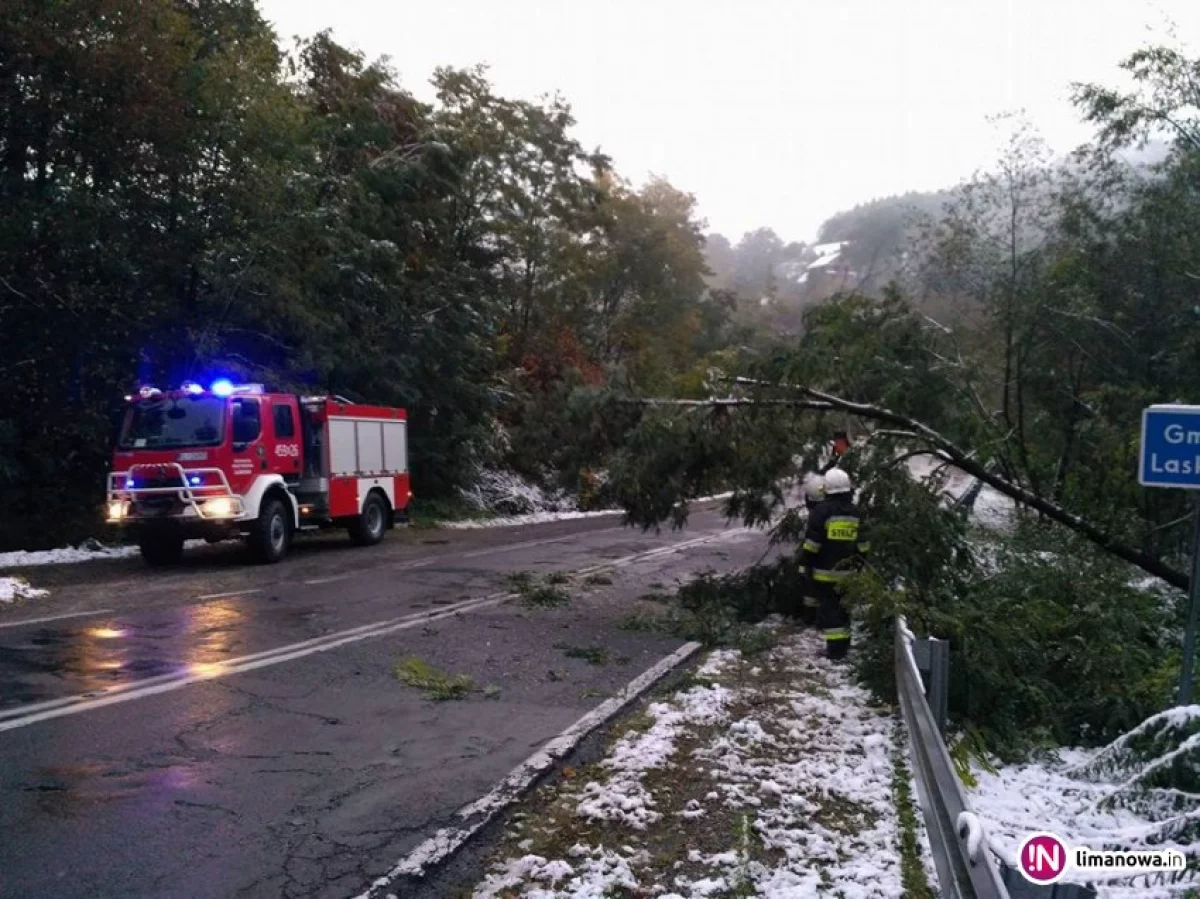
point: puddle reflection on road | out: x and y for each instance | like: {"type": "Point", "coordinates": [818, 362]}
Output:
{"type": "Point", "coordinates": [195, 639]}
{"type": "Point", "coordinates": [82, 788]}
{"type": "Point", "coordinates": [186, 638]}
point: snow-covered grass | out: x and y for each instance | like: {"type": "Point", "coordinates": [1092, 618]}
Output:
{"type": "Point", "coordinates": [507, 494]}
{"type": "Point", "coordinates": [768, 775]}
{"type": "Point", "coordinates": [13, 589]}
{"type": "Point", "coordinates": [1136, 793]}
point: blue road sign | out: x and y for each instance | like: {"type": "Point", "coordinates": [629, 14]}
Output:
{"type": "Point", "coordinates": [1170, 455]}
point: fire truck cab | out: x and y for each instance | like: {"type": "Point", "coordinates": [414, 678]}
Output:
{"type": "Point", "coordinates": [237, 461]}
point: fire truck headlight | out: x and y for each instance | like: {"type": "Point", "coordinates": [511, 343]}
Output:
{"type": "Point", "coordinates": [117, 510]}
{"type": "Point", "coordinates": [221, 507]}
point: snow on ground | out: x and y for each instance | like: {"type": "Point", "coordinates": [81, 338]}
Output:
{"type": "Point", "coordinates": [992, 509]}
{"type": "Point", "coordinates": [514, 520]}
{"type": "Point", "coordinates": [90, 551]}
{"type": "Point", "coordinates": [769, 776]}
{"type": "Point", "coordinates": [1065, 799]}
{"type": "Point", "coordinates": [15, 588]}
{"type": "Point", "coordinates": [506, 493]}
{"type": "Point", "coordinates": [544, 516]}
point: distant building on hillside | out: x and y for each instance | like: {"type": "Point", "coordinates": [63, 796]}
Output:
{"type": "Point", "coordinates": [830, 272]}
{"type": "Point", "coordinates": [823, 275]}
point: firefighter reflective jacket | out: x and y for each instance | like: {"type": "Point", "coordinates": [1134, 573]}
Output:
{"type": "Point", "coordinates": [834, 542]}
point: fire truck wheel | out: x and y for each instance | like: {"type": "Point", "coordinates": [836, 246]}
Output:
{"type": "Point", "coordinates": [369, 528]}
{"type": "Point", "coordinates": [271, 536]}
{"type": "Point", "coordinates": [160, 550]}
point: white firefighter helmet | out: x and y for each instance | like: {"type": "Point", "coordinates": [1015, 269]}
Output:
{"type": "Point", "coordinates": [814, 488]}
{"type": "Point", "coordinates": [837, 481]}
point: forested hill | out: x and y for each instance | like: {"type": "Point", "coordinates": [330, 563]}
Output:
{"type": "Point", "coordinates": [181, 196]}
{"type": "Point", "coordinates": [872, 240]}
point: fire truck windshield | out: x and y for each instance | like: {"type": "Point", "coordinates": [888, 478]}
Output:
{"type": "Point", "coordinates": [174, 421]}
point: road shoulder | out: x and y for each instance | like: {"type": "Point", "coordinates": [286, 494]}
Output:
{"type": "Point", "coordinates": [750, 775]}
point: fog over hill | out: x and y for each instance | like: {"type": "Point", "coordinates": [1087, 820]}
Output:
{"type": "Point", "coordinates": [860, 248]}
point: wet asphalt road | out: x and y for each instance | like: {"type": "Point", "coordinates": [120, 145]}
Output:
{"type": "Point", "coordinates": [172, 741]}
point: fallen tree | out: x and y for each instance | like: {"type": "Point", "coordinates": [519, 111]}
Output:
{"type": "Point", "coordinates": [906, 427]}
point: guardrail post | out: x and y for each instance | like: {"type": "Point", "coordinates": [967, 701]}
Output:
{"type": "Point", "coordinates": [939, 682]}
{"type": "Point", "coordinates": [933, 661]}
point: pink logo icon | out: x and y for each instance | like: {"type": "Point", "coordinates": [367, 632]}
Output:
{"type": "Point", "coordinates": [1043, 857]}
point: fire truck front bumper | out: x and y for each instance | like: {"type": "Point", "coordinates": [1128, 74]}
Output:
{"type": "Point", "coordinates": [183, 500]}
{"type": "Point", "coordinates": [215, 510]}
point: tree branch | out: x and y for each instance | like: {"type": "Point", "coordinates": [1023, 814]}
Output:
{"type": "Point", "coordinates": [734, 401]}
{"type": "Point", "coordinates": [963, 461]}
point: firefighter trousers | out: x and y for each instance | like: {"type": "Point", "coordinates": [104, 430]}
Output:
{"type": "Point", "coordinates": [833, 620]}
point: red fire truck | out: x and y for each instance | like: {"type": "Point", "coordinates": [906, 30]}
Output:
{"type": "Point", "coordinates": [237, 461]}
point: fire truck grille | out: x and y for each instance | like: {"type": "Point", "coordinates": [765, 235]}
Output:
{"type": "Point", "coordinates": [158, 505]}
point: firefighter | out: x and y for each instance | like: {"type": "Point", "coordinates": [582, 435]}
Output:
{"type": "Point", "coordinates": [834, 545]}
{"type": "Point", "coordinates": [810, 599]}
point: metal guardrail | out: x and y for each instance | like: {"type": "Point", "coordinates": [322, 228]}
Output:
{"type": "Point", "coordinates": [961, 852]}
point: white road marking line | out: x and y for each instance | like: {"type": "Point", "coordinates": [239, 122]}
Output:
{"type": "Point", "coordinates": [229, 594]}
{"type": "Point", "coordinates": [508, 547]}
{"type": "Point", "coordinates": [476, 814]}
{"type": "Point", "coordinates": [421, 564]}
{"type": "Point", "coordinates": [327, 580]}
{"type": "Point", "coordinates": [70, 705]}
{"type": "Point", "coordinates": [49, 618]}
{"type": "Point", "coordinates": [25, 715]}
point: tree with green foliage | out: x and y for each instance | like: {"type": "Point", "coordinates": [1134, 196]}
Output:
{"type": "Point", "coordinates": [183, 198]}
{"type": "Point", "coordinates": [1080, 293]}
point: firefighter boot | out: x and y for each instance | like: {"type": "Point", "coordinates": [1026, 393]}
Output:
{"type": "Point", "coordinates": [837, 643]}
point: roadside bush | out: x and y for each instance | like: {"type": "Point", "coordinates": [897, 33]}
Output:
{"type": "Point", "coordinates": [1059, 644]}
{"type": "Point", "coordinates": [1052, 641]}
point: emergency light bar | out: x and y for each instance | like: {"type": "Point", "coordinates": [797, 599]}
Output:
{"type": "Point", "coordinates": [224, 387]}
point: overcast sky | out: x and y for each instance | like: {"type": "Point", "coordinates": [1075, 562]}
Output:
{"type": "Point", "coordinates": [772, 112]}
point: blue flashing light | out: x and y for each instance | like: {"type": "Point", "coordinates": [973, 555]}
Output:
{"type": "Point", "coordinates": [195, 480]}
{"type": "Point", "coordinates": [129, 483]}
{"type": "Point", "coordinates": [223, 387]}
{"type": "Point", "coordinates": [192, 387]}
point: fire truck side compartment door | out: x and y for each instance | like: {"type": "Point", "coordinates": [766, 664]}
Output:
{"type": "Point", "coordinates": [395, 446]}
{"type": "Point", "coordinates": [370, 446]}
{"type": "Point", "coordinates": [343, 447]}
